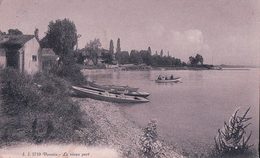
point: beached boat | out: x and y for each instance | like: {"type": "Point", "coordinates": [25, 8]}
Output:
{"type": "Point", "coordinates": [125, 92]}
{"type": "Point", "coordinates": [113, 87]}
{"type": "Point", "coordinates": [164, 80]}
{"type": "Point", "coordinates": [106, 96]}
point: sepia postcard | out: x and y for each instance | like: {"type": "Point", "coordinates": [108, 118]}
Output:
{"type": "Point", "coordinates": [129, 78]}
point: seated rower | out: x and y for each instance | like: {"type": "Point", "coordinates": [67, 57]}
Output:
{"type": "Point", "coordinates": [171, 77]}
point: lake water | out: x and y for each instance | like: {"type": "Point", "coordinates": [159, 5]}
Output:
{"type": "Point", "coordinates": [189, 113]}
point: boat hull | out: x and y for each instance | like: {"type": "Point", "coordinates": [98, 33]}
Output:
{"type": "Point", "coordinates": [114, 87]}
{"type": "Point", "coordinates": [168, 81]}
{"type": "Point", "coordinates": [131, 93]}
{"type": "Point", "coordinates": [105, 96]}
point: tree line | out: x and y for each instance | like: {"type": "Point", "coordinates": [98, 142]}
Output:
{"type": "Point", "coordinates": [93, 51]}
{"type": "Point", "coordinates": [62, 37]}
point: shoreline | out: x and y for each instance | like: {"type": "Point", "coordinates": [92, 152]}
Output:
{"type": "Point", "coordinates": [121, 133]}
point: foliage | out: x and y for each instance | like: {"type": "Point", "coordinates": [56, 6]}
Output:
{"type": "Point", "coordinates": [196, 60]}
{"type": "Point", "coordinates": [93, 49]}
{"type": "Point", "coordinates": [95, 44]}
{"type": "Point", "coordinates": [118, 48]}
{"type": "Point", "coordinates": [199, 59]}
{"type": "Point", "coordinates": [69, 70]}
{"type": "Point", "coordinates": [161, 53]}
{"type": "Point", "coordinates": [14, 32]}
{"type": "Point", "coordinates": [149, 50]}
{"type": "Point", "coordinates": [38, 109]}
{"type": "Point", "coordinates": [111, 47]}
{"type": "Point", "coordinates": [61, 36]}
{"type": "Point", "coordinates": [231, 139]}
{"type": "Point", "coordinates": [146, 57]}
{"type": "Point", "coordinates": [135, 57]}
{"type": "Point", "coordinates": [107, 57]}
{"type": "Point", "coordinates": [122, 57]}
{"type": "Point", "coordinates": [150, 145]}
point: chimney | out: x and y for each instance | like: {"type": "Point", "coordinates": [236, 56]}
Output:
{"type": "Point", "coordinates": [36, 34]}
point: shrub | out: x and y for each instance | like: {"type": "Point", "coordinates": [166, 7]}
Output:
{"type": "Point", "coordinates": [231, 139]}
{"type": "Point", "coordinates": [150, 145]}
{"type": "Point", "coordinates": [69, 70]}
{"type": "Point", "coordinates": [38, 109]}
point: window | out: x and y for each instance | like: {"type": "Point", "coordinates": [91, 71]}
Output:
{"type": "Point", "coordinates": [34, 58]}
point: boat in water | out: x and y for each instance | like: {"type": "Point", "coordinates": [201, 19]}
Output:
{"type": "Point", "coordinates": [119, 92]}
{"type": "Point", "coordinates": [113, 87]}
{"type": "Point", "coordinates": [107, 96]}
{"type": "Point", "coordinates": [167, 79]}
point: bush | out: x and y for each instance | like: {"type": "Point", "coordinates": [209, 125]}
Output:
{"type": "Point", "coordinates": [150, 145]}
{"type": "Point", "coordinates": [38, 109]}
{"type": "Point", "coordinates": [69, 70]}
{"type": "Point", "coordinates": [231, 139]}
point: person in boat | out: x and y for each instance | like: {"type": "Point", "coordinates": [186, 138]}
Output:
{"type": "Point", "coordinates": [166, 78]}
{"type": "Point", "coordinates": [159, 77]}
{"type": "Point", "coordinates": [171, 77]}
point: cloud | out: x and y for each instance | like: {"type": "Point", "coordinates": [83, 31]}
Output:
{"type": "Point", "coordinates": [187, 43]}
{"type": "Point", "coordinates": [180, 44]}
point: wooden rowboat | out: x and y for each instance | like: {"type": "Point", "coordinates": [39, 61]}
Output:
{"type": "Point", "coordinates": [114, 87]}
{"type": "Point", "coordinates": [106, 96]}
{"type": "Point", "coordinates": [125, 92]}
{"type": "Point", "coordinates": [163, 80]}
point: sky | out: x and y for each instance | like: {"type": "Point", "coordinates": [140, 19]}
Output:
{"type": "Point", "coordinates": [222, 31]}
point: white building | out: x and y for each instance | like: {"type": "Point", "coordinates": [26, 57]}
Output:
{"type": "Point", "coordinates": [21, 52]}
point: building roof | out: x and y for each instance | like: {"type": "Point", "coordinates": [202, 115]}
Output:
{"type": "Point", "coordinates": [17, 40]}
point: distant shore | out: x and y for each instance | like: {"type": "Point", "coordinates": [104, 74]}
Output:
{"type": "Point", "coordinates": [148, 68]}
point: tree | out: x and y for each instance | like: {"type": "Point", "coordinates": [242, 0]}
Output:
{"type": "Point", "coordinates": [14, 32]}
{"type": "Point", "coordinates": [118, 48]}
{"type": "Point", "coordinates": [106, 56]}
{"type": "Point", "coordinates": [2, 33]}
{"type": "Point", "coordinates": [123, 57]}
{"type": "Point", "coordinates": [149, 50]}
{"type": "Point", "coordinates": [111, 47]}
{"type": "Point", "coordinates": [135, 57]}
{"type": "Point", "coordinates": [146, 57]}
{"type": "Point", "coordinates": [95, 44]}
{"type": "Point", "coordinates": [92, 50]}
{"type": "Point", "coordinates": [62, 36]}
{"type": "Point", "coordinates": [192, 60]}
{"type": "Point", "coordinates": [199, 59]}
{"type": "Point", "coordinates": [161, 53]}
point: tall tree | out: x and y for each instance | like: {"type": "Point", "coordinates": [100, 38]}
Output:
{"type": "Point", "coordinates": [161, 53]}
{"type": "Point", "coordinates": [118, 48]}
{"type": "Point", "coordinates": [62, 36]}
{"type": "Point", "coordinates": [149, 50]}
{"type": "Point", "coordinates": [111, 47]}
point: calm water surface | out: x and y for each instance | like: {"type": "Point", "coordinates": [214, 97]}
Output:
{"type": "Point", "coordinates": [189, 113]}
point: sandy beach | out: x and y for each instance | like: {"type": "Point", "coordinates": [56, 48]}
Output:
{"type": "Point", "coordinates": [121, 134]}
